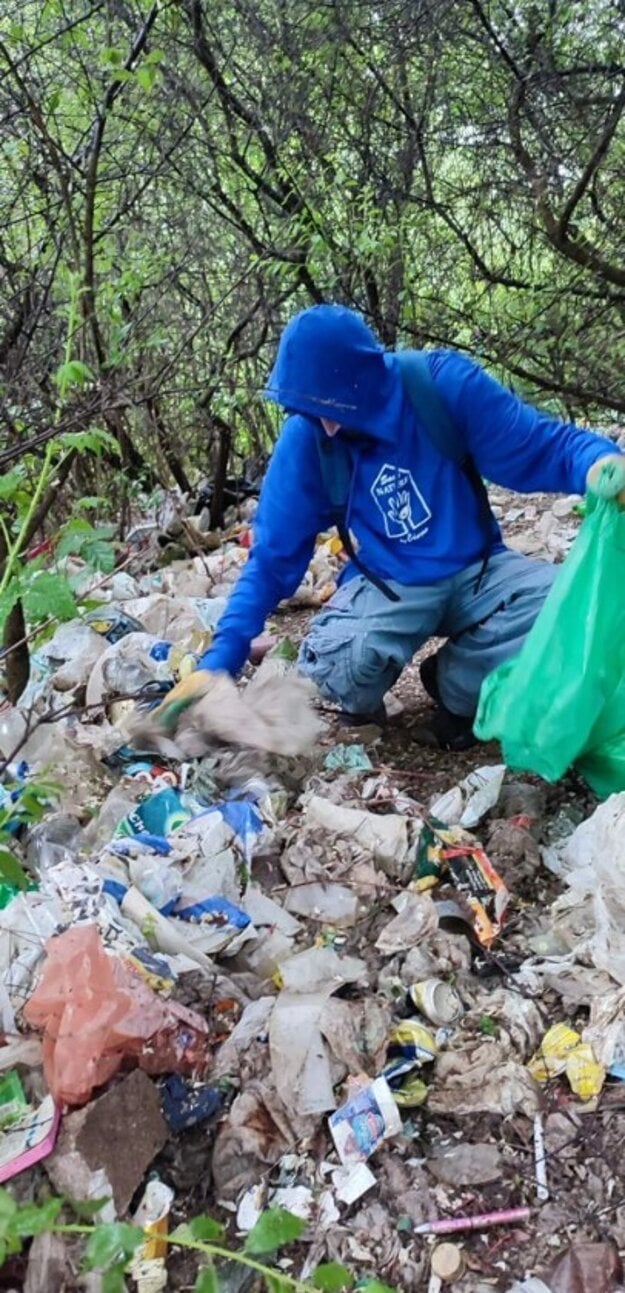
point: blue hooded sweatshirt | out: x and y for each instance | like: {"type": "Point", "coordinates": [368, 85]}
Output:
{"type": "Point", "coordinates": [413, 511]}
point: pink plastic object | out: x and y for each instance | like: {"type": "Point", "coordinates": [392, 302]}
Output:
{"type": "Point", "coordinates": [40, 1149]}
{"type": "Point", "coordinates": [96, 1012]}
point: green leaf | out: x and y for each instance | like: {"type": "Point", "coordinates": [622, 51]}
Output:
{"type": "Point", "coordinates": [207, 1281]}
{"type": "Point", "coordinates": [11, 870]}
{"type": "Point", "coordinates": [202, 1228]}
{"type": "Point", "coordinates": [375, 1286]}
{"type": "Point", "coordinates": [91, 502]}
{"type": "Point", "coordinates": [86, 1209]}
{"type": "Point", "coordinates": [72, 376]}
{"type": "Point", "coordinates": [111, 1244]}
{"type": "Point", "coordinates": [111, 57]}
{"type": "Point", "coordinates": [332, 1277]}
{"type": "Point", "coordinates": [112, 1281]}
{"type": "Point", "coordinates": [48, 594]}
{"type": "Point", "coordinates": [94, 543]}
{"type": "Point", "coordinates": [8, 1213]}
{"type": "Point", "coordinates": [92, 441]}
{"type": "Point", "coordinates": [146, 77]}
{"type": "Point", "coordinates": [487, 1026]}
{"type": "Point", "coordinates": [274, 1228]}
{"type": "Point", "coordinates": [207, 1228]}
{"type": "Point", "coordinates": [9, 598]}
{"type": "Point", "coordinates": [73, 535]}
{"type": "Point", "coordinates": [276, 1284]}
{"type": "Point", "coordinates": [11, 481]}
{"type": "Point", "coordinates": [34, 1218]}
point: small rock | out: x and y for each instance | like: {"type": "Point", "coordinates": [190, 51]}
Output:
{"type": "Point", "coordinates": [564, 506]}
{"type": "Point", "coordinates": [110, 1143]}
{"type": "Point", "coordinates": [562, 1132]}
{"type": "Point", "coordinates": [521, 798]}
{"type": "Point", "coordinates": [466, 1164]}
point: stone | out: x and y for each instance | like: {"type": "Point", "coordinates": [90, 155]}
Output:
{"type": "Point", "coordinates": [105, 1148]}
{"type": "Point", "coordinates": [465, 1164]}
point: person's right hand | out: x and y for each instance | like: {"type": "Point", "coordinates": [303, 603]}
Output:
{"type": "Point", "coordinates": [606, 478]}
{"type": "Point", "coordinates": [185, 693]}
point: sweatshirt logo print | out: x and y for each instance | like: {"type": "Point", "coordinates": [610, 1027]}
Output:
{"type": "Point", "coordinates": [404, 510]}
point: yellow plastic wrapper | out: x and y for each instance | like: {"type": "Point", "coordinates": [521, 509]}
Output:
{"type": "Point", "coordinates": [551, 1057]}
{"type": "Point", "coordinates": [411, 1093]}
{"type": "Point", "coordinates": [563, 1051]}
{"type": "Point", "coordinates": [412, 1039]}
{"type": "Point", "coordinates": [586, 1076]}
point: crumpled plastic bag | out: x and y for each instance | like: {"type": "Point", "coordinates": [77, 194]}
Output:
{"type": "Point", "coordinates": [593, 864]}
{"type": "Point", "coordinates": [272, 713]}
{"type": "Point", "coordinates": [96, 1013]}
{"type": "Point", "coordinates": [481, 1078]}
{"type": "Point", "coordinates": [561, 701]}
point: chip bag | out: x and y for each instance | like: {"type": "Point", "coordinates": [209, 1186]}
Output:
{"type": "Point", "coordinates": [561, 701]}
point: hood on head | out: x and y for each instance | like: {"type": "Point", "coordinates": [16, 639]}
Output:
{"type": "Point", "coordinates": [330, 365]}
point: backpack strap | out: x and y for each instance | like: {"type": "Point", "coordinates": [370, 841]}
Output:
{"type": "Point", "coordinates": [442, 430]}
{"type": "Point", "coordinates": [336, 472]}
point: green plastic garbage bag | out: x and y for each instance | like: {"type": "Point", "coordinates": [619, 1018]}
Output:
{"type": "Point", "coordinates": [561, 701]}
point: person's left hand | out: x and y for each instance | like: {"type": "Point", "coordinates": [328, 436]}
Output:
{"type": "Point", "coordinates": [606, 478]}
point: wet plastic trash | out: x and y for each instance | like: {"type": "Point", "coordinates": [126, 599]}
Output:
{"type": "Point", "coordinates": [112, 623]}
{"type": "Point", "coordinates": [415, 922]}
{"type": "Point", "coordinates": [348, 758]}
{"type": "Point", "coordinates": [331, 904]}
{"type": "Point", "coordinates": [369, 1117]}
{"type": "Point", "coordinates": [158, 814]}
{"type": "Point", "coordinates": [300, 1059]}
{"type": "Point", "coordinates": [12, 1100]}
{"type": "Point", "coordinates": [480, 1077]}
{"type": "Point", "coordinates": [186, 1104]}
{"type": "Point", "coordinates": [391, 840]}
{"type": "Point", "coordinates": [593, 864]}
{"type": "Point", "coordinates": [273, 713]}
{"type": "Point", "coordinates": [174, 938]}
{"type": "Point", "coordinates": [468, 802]}
{"type": "Point", "coordinates": [29, 1138]}
{"type": "Point", "coordinates": [410, 1047]}
{"type": "Point", "coordinates": [563, 1051]}
{"type": "Point", "coordinates": [95, 1013]}
{"type": "Point", "coordinates": [147, 1265]}
{"type": "Point", "coordinates": [320, 969]}
{"type": "Point", "coordinates": [437, 1000]}
{"type": "Point", "coordinates": [452, 858]}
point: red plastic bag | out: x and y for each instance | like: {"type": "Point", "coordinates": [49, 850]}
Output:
{"type": "Point", "coordinates": [96, 1012]}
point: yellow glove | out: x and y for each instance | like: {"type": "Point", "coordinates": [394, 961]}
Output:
{"type": "Point", "coordinates": [185, 693]}
{"type": "Point", "coordinates": [606, 478]}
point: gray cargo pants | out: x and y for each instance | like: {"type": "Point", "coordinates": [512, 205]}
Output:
{"type": "Point", "coordinates": [360, 642]}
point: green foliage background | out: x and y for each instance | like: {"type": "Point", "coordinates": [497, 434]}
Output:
{"type": "Point", "coordinates": [191, 173]}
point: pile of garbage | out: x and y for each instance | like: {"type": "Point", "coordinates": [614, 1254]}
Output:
{"type": "Point", "coordinates": [291, 976]}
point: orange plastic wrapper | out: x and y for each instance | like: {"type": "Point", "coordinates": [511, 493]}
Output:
{"type": "Point", "coordinates": [96, 1013]}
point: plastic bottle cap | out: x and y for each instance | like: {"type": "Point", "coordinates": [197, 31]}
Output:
{"type": "Point", "coordinates": [447, 1261]}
